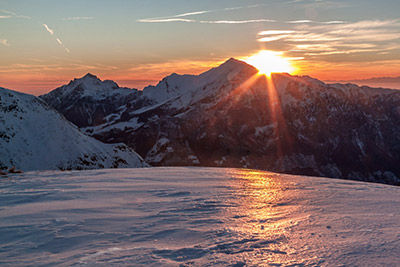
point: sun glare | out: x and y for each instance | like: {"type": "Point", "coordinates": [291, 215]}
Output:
{"type": "Point", "coordinates": [268, 62]}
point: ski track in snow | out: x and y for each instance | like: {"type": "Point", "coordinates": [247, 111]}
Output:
{"type": "Point", "coordinates": [195, 217]}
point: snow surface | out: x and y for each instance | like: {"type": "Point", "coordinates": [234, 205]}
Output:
{"type": "Point", "coordinates": [195, 217]}
{"type": "Point", "coordinates": [36, 137]}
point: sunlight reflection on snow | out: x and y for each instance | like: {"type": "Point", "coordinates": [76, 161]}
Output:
{"type": "Point", "coordinates": [195, 217]}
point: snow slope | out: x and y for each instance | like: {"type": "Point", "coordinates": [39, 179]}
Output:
{"type": "Point", "coordinates": [35, 137]}
{"type": "Point", "coordinates": [195, 217]}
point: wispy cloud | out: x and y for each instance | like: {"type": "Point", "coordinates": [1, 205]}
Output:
{"type": "Point", "coordinates": [292, 2]}
{"type": "Point", "coordinates": [57, 39]}
{"type": "Point", "coordinates": [5, 17]}
{"type": "Point", "coordinates": [236, 21]}
{"type": "Point", "coordinates": [155, 20]}
{"type": "Point", "coordinates": [12, 14]}
{"type": "Point", "coordinates": [334, 38]}
{"type": "Point", "coordinates": [316, 4]}
{"type": "Point", "coordinates": [206, 21]}
{"type": "Point", "coordinates": [78, 18]}
{"type": "Point", "coordinates": [275, 32]}
{"type": "Point", "coordinates": [179, 17]}
{"type": "Point", "coordinates": [176, 18]}
{"type": "Point", "coordinates": [192, 13]}
{"type": "Point", "coordinates": [315, 22]}
{"type": "Point", "coordinates": [66, 49]}
{"type": "Point", "coordinates": [8, 12]}
{"type": "Point", "coordinates": [4, 42]}
{"type": "Point", "coordinates": [48, 29]}
{"type": "Point", "coordinates": [234, 8]}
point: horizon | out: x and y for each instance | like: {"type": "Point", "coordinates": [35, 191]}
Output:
{"type": "Point", "coordinates": [46, 44]}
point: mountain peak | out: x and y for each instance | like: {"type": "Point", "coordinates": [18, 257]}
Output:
{"type": "Point", "coordinates": [233, 61]}
{"type": "Point", "coordinates": [90, 76]}
{"type": "Point", "coordinates": [233, 64]}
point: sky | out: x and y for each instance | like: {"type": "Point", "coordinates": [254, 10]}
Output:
{"type": "Point", "coordinates": [46, 43]}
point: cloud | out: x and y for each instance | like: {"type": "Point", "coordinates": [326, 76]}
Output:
{"type": "Point", "coordinates": [48, 29]}
{"type": "Point", "coordinates": [318, 4]}
{"type": "Point", "coordinates": [57, 39]}
{"type": "Point", "coordinates": [78, 18]}
{"type": "Point", "coordinates": [13, 14]}
{"type": "Point", "coordinates": [166, 20]}
{"type": "Point", "coordinates": [8, 12]}
{"type": "Point", "coordinates": [292, 2]}
{"type": "Point", "coordinates": [4, 42]}
{"type": "Point", "coordinates": [330, 38]}
{"type": "Point", "coordinates": [315, 22]}
{"type": "Point", "coordinates": [236, 21]}
{"type": "Point", "coordinates": [234, 8]}
{"type": "Point", "coordinates": [66, 49]}
{"type": "Point", "coordinates": [192, 13]}
{"type": "Point", "coordinates": [5, 17]}
{"type": "Point", "coordinates": [206, 21]}
{"type": "Point", "coordinates": [179, 17]}
{"type": "Point", "coordinates": [175, 18]}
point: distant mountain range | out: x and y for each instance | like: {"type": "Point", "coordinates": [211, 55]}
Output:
{"type": "Point", "coordinates": [230, 116]}
{"type": "Point", "coordinates": [34, 136]}
{"type": "Point", "coordinates": [384, 82]}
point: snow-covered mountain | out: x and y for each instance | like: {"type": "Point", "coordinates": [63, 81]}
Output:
{"type": "Point", "coordinates": [33, 136]}
{"type": "Point", "coordinates": [195, 217]}
{"type": "Point", "coordinates": [86, 101]}
{"type": "Point", "coordinates": [230, 116]}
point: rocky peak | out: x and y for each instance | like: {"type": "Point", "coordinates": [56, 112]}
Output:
{"type": "Point", "coordinates": [90, 76]}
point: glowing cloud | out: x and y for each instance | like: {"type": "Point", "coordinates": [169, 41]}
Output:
{"type": "Point", "coordinates": [48, 29]}
{"type": "Point", "coordinates": [336, 37]}
{"type": "Point", "coordinates": [273, 32]}
{"type": "Point", "coordinates": [66, 49]}
{"type": "Point", "coordinates": [4, 42]}
{"type": "Point", "coordinates": [57, 39]}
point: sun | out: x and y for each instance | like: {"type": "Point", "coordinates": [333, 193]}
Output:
{"type": "Point", "coordinates": [268, 62]}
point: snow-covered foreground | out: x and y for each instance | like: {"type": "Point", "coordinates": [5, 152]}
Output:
{"type": "Point", "coordinates": [196, 216]}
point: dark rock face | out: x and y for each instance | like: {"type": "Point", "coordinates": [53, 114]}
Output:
{"type": "Point", "coordinates": [230, 116]}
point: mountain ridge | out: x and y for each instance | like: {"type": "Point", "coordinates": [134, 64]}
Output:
{"type": "Point", "coordinates": [230, 116]}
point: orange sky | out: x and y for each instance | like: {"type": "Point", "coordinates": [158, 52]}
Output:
{"type": "Point", "coordinates": [39, 79]}
{"type": "Point", "coordinates": [137, 43]}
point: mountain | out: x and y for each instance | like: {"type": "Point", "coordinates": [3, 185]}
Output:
{"type": "Point", "coordinates": [229, 116]}
{"type": "Point", "coordinates": [35, 137]}
{"type": "Point", "coordinates": [385, 82]}
{"type": "Point", "coordinates": [88, 100]}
